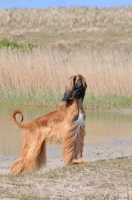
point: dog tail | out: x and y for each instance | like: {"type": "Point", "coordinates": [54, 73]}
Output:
{"type": "Point", "coordinates": [17, 123]}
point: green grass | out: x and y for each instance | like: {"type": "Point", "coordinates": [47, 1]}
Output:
{"type": "Point", "coordinates": [5, 43]}
{"type": "Point", "coordinates": [51, 99]}
{"type": "Point", "coordinates": [108, 101]}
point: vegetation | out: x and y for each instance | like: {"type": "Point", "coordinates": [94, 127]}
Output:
{"type": "Point", "coordinates": [69, 28]}
{"type": "Point", "coordinates": [14, 45]}
{"type": "Point", "coordinates": [111, 179]}
{"type": "Point", "coordinates": [91, 41]}
{"type": "Point", "coordinates": [39, 77]}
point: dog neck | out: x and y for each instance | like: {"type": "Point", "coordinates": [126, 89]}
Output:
{"type": "Point", "coordinates": [78, 103]}
{"type": "Point", "coordinates": [80, 106]}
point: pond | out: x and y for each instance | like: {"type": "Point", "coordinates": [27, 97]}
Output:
{"type": "Point", "coordinates": [101, 128]}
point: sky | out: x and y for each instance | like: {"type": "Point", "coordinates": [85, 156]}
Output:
{"type": "Point", "coordinates": [8, 4]}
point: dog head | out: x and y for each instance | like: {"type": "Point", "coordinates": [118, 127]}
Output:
{"type": "Point", "coordinates": [75, 88]}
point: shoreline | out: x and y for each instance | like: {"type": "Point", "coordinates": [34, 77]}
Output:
{"type": "Point", "coordinates": [116, 149]}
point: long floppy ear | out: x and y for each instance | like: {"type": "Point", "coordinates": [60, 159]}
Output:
{"type": "Point", "coordinates": [85, 85]}
{"type": "Point", "coordinates": [69, 88]}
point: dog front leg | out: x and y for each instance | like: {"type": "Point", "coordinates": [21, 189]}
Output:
{"type": "Point", "coordinates": [78, 147]}
{"type": "Point", "coordinates": [68, 150]}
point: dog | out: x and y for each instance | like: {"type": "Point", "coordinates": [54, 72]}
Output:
{"type": "Point", "coordinates": [66, 125]}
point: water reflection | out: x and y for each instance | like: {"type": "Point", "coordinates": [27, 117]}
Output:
{"type": "Point", "coordinates": [101, 127]}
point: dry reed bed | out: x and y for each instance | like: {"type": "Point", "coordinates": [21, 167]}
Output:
{"type": "Point", "coordinates": [73, 19]}
{"type": "Point", "coordinates": [41, 71]}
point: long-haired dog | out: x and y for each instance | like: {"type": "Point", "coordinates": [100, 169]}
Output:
{"type": "Point", "coordinates": [67, 124]}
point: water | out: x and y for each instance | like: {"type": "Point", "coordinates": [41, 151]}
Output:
{"type": "Point", "coordinates": [101, 128]}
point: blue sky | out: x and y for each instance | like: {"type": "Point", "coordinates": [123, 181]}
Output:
{"type": "Point", "coordinates": [66, 3]}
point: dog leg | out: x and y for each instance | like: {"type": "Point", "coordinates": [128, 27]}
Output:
{"type": "Point", "coordinates": [73, 147]}
{"type": "Point", "coordinates": [18, 166]}
{"type": "Point", "coordinates": [68, 150]}
{"type": "Point", "coordinates": [41, 157]}
{"type": "Point", "coordinates": [78, 147]}
{"type": "Point", "coordinates": [35, 152]}
{"type": "Point", "coordinates": [31, 153]}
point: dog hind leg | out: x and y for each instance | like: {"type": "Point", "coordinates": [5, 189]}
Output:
{"type": "Point", "coordinates": [41, 157]}
{"type": "Point", "coordinates": [30, 158]}
{"type": "Point", "coordinates": [18, 165]}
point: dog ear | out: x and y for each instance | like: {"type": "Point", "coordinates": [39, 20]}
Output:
{"type": "Point", "coordinates": [79, 76]}
{"type": "Point", "coordinates": [69, 88]}
{"type": "Point", "coordinates": [85, 85]}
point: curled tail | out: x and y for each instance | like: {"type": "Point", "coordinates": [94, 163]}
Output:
{"type": "Point", "coordinates": [17, 123]}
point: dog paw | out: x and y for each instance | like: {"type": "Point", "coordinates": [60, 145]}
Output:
{"type": "Point", "coordinates": [78, 161]}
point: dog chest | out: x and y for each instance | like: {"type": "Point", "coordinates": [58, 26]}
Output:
{"type": "Point", "coordinates": [80, 120]}
{"type": "Point", "coordinates": [79, 123]}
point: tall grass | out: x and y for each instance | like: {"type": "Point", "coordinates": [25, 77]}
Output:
{"type": "Point", "coordinates": [39, 77]}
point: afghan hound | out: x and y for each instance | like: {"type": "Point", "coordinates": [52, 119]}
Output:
{"type": "Point", "coordinates": [66, 125]}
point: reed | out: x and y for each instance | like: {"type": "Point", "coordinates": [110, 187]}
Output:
{"type": "Point", "coordinates": [38, 77]}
